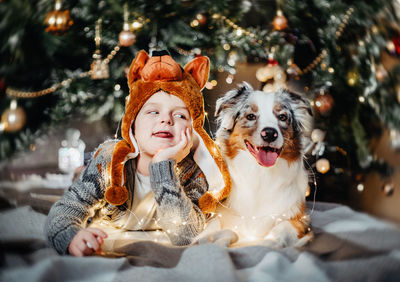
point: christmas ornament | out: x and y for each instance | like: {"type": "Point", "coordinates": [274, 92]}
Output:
{"type": "Point", "coordinates": [317, 144]}
{"type": "Point", "coordinates": [324, 103]}
{"type": "Point", "coordinates": [391, 48]}
{"type": "Point", "coordinates": [99, 67]}
{"type": "Point", "coordinates": [273, 75]}
{"type": "Point", "coordinates": [126, 37]}
{"type": "Point", "coordinates": [71, 153]}
{"type": "Point", "coordinates": [279, 22]}
{"type": "Point", "coordinates": [13, 119]}
{"type": "Point", "coordinates": [352, 77]}
{"type": "Point", "coordinates": [2, 84]}
{"type": "Point", "coordinates": [396, 44]}
{"type": "Point", "coordinates": [137, 24]}
{"type": "Point", "coordinates": [322, 165]}
{"type": "Point", "coordinates": [381, 73]}
{"type": "Point", "coordinates": [388, 189]}
{"type": "Point", "coordinates": [395, 139]}
{"type": "Point", "coordinates": [201, 18]}
{"type": "Point", "coordinates": [317, 135]}
{"type": "Point", "coordinates": [58, 21]}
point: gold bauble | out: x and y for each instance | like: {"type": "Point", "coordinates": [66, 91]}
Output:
{"type": "Point", "coordinates": [323, 165]}
{"type": "Point", "coordinates": [13, 119]}
{"type": "Point", "coordinates": [126, 38]}
{"type": "Point", "coordinates": [58, 21]}
{"type": "Point", "coordinates": [352, 77]}
{"type": "Point", "coordinates": [280, 21]}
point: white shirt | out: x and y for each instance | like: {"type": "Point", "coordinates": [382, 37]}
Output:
{"type": "Point", "coordinates": [141, 188]}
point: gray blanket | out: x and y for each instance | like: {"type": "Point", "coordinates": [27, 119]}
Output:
{"type": "Point", "coordinates": [348, 246]}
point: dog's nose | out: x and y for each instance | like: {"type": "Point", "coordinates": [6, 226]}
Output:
{"type": "Point", "coordinates": [269, 134]}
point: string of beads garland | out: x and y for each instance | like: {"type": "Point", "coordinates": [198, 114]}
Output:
{"type": "Point", "coordinates": [242, 31]}
{"type": "Point", "coordinates": [33, 94]}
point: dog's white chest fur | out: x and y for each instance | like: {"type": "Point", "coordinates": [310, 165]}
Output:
{"type": "Point", "coordinates": [261, 197]}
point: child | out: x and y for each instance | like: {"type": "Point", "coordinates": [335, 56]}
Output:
{"type": "Point", "coordinates": [163, 174]}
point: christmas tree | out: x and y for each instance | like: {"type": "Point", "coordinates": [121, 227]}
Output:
{"type": "Point", "coordinates": [60, 59]}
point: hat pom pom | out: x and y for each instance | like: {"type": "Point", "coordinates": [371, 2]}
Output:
{"type": "Point", "coordinates": [207, 202]}
{"type": "Point", "coordinates": [116, 195]}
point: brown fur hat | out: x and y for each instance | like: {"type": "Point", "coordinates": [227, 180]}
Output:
{"type": "Point", "coordinates": [148, 75]}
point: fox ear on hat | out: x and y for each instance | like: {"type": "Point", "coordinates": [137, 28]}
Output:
{"type": "Point", "coordinates": [136, 66]}
{"type": "Point", "coordinates": [199, 68]}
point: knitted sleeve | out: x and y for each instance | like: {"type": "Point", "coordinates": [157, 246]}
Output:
{"type": "Point", "coordinates": [70, 214]}
{"type": "Point", "coordinates": [177, 197]}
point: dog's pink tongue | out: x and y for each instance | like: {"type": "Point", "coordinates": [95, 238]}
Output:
{"type": "Point", "coordinates": [266, 158]}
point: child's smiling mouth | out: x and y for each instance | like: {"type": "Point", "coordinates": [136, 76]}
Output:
{"type": "Point", "coordinates": [163, 134]}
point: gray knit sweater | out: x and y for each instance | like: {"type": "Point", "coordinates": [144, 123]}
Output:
{"type": "Point", "coordinates": [176, 188]}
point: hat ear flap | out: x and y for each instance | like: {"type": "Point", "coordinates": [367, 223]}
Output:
{"type": "Point", "coordinates": [199, 68]}
{"type": "Point", "coordinates": [136, 66]}
{"type": "Point", "coordinates": [117, 194]}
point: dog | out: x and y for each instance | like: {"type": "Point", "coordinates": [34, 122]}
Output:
{"type": "Point", "coordinates": [261, 136]}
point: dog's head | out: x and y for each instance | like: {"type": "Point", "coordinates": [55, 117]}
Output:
{"type": "Point", "coordinates": [268, 125]}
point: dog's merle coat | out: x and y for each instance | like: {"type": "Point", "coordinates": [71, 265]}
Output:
{"type": "Point", "coordinates": [262, 137]}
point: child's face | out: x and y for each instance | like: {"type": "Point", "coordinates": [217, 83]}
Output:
{"type": "Point", "coordinates": [160, 122]}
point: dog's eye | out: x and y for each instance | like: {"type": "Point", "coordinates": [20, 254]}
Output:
{"type": "Point", "coordinates": [282, 117]}
{"type": "Point", "coordinates": [251, 117]}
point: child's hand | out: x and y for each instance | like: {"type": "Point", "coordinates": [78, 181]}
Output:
{"type": "Point", "coordinates": [86, 242]}
{"type": "Point", "coordinates": [177, 152]}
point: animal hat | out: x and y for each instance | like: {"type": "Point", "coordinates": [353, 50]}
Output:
{"type": "Point", "coordinates": [148, 75]}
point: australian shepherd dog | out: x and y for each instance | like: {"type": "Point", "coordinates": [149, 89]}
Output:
{"type": "Point", "coordinates": [262, 136]}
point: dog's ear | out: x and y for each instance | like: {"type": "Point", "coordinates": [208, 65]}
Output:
{"type": "Point", "coordinates": [227, 107]}
{"type": "Point", "coordinates": [303, 113]}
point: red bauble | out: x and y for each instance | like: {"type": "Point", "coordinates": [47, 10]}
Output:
{"type": "Point", "coordinates": [202, 18]}
{"type": "Point", "coordinates": [2, 84]}
{"type": "Point", "coordinates": [396, 42]}
{"type": "Point", "coordinates": [324, 103]}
